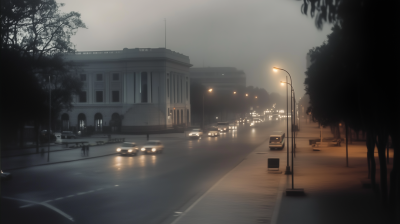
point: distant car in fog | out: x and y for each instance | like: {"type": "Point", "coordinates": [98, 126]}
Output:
{"type": "Point", "coordinates": [153, 146]}
{"type": "Point", "coordinates": [67, 134]}
{"type": "Point", "coordinates": [196, 133]}
{"type": "Point", "coordinates": [128, 148]}
{"type": "Point", "coordinates": [232, 126]}
{"type": "Point", "coordinates": [223, 126]}
{"type": "Point", "coordinates": [213, 132]}
{"type": "Point", "coordinates": [256, 120]}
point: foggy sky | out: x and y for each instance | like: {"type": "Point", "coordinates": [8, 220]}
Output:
{"type": "Point", "coordinates": [251, 35]}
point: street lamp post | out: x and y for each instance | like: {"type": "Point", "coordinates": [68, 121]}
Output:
{"type": "Point", "coordinates": [209, 90]}
{"type": "Point", "coordinates": [48, 145]}
{"type": "Point", "coordinates": [275, 69]}
{"type": "Point", "coordinates": [300, 191]}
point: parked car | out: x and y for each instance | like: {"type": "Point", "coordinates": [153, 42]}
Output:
{"type": "Point", "coordinates": [196, 133]}
{"type": "Point", "coordinates": [67, 134]}
{"type": "Point", "coordinates": [5, 176]}
{"type": "Point", "coordinates": [153, 146]}
{"type": "Point", "coordinates": [128, 148]}
{"type": "Point", "coordinates": [213, 132]}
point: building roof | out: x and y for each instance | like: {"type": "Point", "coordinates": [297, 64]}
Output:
{"type": "Point", "coordinates": [129, 54]}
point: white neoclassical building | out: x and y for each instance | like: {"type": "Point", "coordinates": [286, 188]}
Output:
{"type": "Point", "coordinates": [131, 90]}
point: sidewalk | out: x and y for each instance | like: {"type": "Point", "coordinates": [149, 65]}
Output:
{"type": "Point", "coordinates": [333, 192]}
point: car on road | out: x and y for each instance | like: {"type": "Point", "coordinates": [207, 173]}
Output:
{"type": "Point", "coordinates": [196, 133]}
{"type": "Point", "coordinates": [67, 135]}
{"type": "Point", "coordinates": [5, 175]}
{"type": "Point", "coordinates": [232, 126]}
{"type": "Point", "coordinates": [277, 140]}
{"type": "Point", "coordinates": [153, 146]}
{"type": "Point", "coordinates": [223, 126]}
{"type": "Point", "coordinates": [128, 148]}
{"type": "Point", "coordinates": [213, 132]}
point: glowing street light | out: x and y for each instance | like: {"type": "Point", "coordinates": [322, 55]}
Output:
{"type": "Point", "coordinates": [234, 92]}
{"type": "Point", "coordinates": [247, 94]}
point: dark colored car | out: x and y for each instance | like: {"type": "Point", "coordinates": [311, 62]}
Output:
{"type": "Point", "coordinates": [67, 134]}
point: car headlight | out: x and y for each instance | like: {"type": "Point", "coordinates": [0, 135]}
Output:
{"type": "Point", "coordinates": [130, 150]}
{"type": "Point", "coordinates": [197, 134]}
{"type": "Point", "coordinates": [209, 133]}
{"type": "Point", "coordinates": [142, 149]}
{"type": "Point", "coordinates": [153, 149]}
{"type": "Point", "coordinates": [224, 129]}
{"type": "Point", "coordinates": [118, 150]}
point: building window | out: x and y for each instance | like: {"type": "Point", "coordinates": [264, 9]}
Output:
{"type": "Point", "coordinates": [82, 97]}
{"type": "Point", "coordinates": [99, 96]}
{"type": "Point", "coordinates": [143, 85]}
{"type": "Point", "coordinates": [115, 77]}
{"type": "Point", "coordinates": [83, 77]}
{"type": "Point", "coordinates": [99, 77]}
{"type": "Point", "coordinates": [115, 96]}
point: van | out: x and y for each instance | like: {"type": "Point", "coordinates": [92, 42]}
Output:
{"type": "Point", "coordinates": [277, 140]}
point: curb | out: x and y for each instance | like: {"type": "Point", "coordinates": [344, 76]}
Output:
{"type": "Point", "coordinates": [44, 164]}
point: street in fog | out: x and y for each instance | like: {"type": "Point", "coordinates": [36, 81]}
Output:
{"type": "Point", "coordinates": [138, 189]}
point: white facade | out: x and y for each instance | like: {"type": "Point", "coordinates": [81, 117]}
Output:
{"type": "Point", "coordinates": [134, 89]}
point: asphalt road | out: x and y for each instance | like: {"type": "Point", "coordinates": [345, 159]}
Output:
{"type": "Point", "coordinates": [140, 189]}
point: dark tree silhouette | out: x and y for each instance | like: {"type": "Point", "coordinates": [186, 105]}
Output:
{"type": "Point", "coordinates": [356, 68]}
{"type": "Point", "coordinates": [33, 33]}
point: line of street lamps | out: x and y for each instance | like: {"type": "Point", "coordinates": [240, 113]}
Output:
{"type": "Point", "coordinates": [292, 95]}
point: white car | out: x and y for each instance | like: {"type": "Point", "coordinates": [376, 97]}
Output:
{"type": "Point", "coordinates": [196, 133]}
{"type": "Point", "coordinates": [153, 146]}
{"type": "Point", "coordinates": [128, 148]}
{"type": "Point", "coordinates": [213, 132]}
{"type": "Point", "coordinates": [232, 126]}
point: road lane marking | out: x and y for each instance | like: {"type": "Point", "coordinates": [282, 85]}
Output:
{"type": "Point", "coordinates": [202, 196]}
{"type": "Point", "coordinates": [46, 205]}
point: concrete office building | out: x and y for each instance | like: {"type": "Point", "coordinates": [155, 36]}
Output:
{"type": "Point", "coordinates": [130, 90]}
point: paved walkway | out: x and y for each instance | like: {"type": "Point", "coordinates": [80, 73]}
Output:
{"type": "Point", "coordinates": [252, 194]}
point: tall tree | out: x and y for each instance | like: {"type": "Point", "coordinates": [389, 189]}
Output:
{"type": "Point", "coordinates": [33, 33]}
{"type": "Point", "coordinates": [357, 54]}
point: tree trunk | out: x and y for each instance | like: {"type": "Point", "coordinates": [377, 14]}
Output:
{"type": "Point", "coordinates": [21, 136]}
{"type": "Point", "coordinates": [37, 135]}
{"type": "Point", "coordinates": [371, 139]}
{"type": "Point", "coordinates": [394, 191]}
{"type": "Point", "coordinates": [381, 145]}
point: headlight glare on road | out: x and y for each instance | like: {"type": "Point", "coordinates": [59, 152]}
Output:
{"type": "Point", "coordinates": [153, 149]}
{"type": "Point", "coordinates": [130, 150]}
{"type": "Point", "coordinates": [118, 150]}
{"type": "Point", "coordinates": [142, 149]}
